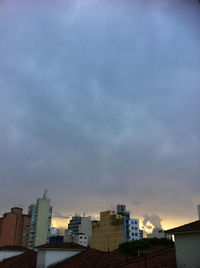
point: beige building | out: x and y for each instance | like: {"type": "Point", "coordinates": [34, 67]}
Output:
{"type": "Point", "coordinates": [109, 232]}
{"type": "Point", "coordinates": [40, 222]}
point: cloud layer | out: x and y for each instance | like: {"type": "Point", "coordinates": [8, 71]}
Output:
{"type": "Point", "coordinates": [100, 104]}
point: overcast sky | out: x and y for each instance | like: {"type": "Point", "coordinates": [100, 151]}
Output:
{"type": "Point", "coordinates": [99, 103]}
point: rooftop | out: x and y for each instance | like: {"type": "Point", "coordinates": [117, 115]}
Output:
{"type": "Point", "coordinates": [189, 227]}
{"type": "Point", "coordinates": [13, 248]}
{"type": "Point", "coordinates": [94, 258]}
{"type": "Point", "coordinates": [25, 260]}
{"type": "Point", "coordinates": [62, 245]}
{"type": "Point", "coordinates": [163, 258]}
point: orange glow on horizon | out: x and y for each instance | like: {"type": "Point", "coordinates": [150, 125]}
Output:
{"type": "Point", "coordinates": [167, 223]}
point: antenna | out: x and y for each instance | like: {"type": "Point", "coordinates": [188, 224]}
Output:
{"type": "Point", "coordinates": [45, 194]}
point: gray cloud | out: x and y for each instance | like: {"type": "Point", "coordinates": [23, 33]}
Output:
{"type": "Point", "coordinates": [100, 101]}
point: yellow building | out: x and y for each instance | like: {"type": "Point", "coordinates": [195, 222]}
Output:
{"type": "Point", "coordinates": [109, 232]}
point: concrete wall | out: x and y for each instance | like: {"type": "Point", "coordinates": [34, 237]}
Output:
{"type": "Point", "coordinates": [188, 250]}
{"type": "Point", "coordinates": [5, 254]}
{"type": "Point", "coordinates": [48, 257]}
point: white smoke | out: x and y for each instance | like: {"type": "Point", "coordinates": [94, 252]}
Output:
{"type": "Point", "coordinates": [154, 220]}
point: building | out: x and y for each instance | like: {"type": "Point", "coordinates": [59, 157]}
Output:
{"type": "Point", "coordinates": [121, 210]}
{"type": "Point", "coordinates": [109, 232]}
{"type": "Point", "coordinates": [187, 244]}
{"type": "Point", "coordinates": [114, 228]}
{"type": "Point", "coordinates": [158, 233]}
{"type": "Point", "coordinates": [132, 231]}
{"type": "Point", "coordinates": [54, 253]}
{"type": "Point", "coordinates": [56, 239]}
{"type": "Point", "coordinates": [81, 239]}
{"type": "Point", "coordinates": [62, 255]}
{"type": "Point", "coordinates": [40, 226]}
{"type": "Point", "coordinates": [198, 209]}
{"type": "Point", "coordinates": [76, 226]}
{"type": "Point", "coordinates": [85, 227]}
{"type": "Point", "coordinates": [14, 228]}
{"type": "Point", "coordinates": [69, 236]}
{"type": "Point", "coordinates": [131, 225]}
{"type": "Point", "coordinates": [141, 234]}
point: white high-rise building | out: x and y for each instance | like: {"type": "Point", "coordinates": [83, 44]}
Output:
{"type": "Point", "coordinates": [133, 229]}
{"type": "Point", "coordinates": [198, 208]}
{"type": "Point", "coordinates": [41, 213]}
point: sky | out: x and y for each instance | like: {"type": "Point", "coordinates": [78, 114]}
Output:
{"type": "Point", "coordinates": [99, 104]}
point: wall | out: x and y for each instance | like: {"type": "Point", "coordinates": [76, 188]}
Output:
{"type": "Point", "coordinates": [8, 228]}
{"type": "Point", "coordinates": [5, 254]}
{"type": "Point", "coordinates": [53, 256]}
{"type": "Point", "coordinates": [108, 233]}
{"type": "Point", "coordinates": [188, 250]}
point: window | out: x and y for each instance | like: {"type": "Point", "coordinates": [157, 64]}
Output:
{"type": "Point", "coordinates": [135, 228]}
{"type": "Point", "coordinates": [135, 234]}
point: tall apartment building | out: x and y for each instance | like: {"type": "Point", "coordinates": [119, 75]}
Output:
{"type": "Point", "coordinates": [14, 228]}
{"type": "Point", "coordinates": [40, 213]}
{"type": "Point", "coordinates": [114, 228]}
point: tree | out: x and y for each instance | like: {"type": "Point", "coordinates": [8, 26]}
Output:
{"type": "Point", "coordinates": [132, 247]}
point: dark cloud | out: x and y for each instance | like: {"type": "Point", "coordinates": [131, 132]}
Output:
{"type": "Point", "coordinates": [100, 101]}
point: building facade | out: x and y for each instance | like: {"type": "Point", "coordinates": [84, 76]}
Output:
{"type": "Point", "coordinates": [158, 233]}
{"type": "Point", "coordinates": [14, 228]}
{"type": "Point", "coordinates": [114, 228]}
{"type": "Point", "coordinates": [86, 228]}
{"type": "Point", "coordinates": [79, 225]}
{"type": "Point", "coordinates": [41, 214]}
{"type": "Point", "coordinates": [109, 232]}
{"type": "Point", "coordinates": [74, 224]}
{"type": "Point", "coordinates": [81, 239]}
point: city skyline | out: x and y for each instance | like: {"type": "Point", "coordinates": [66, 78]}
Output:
{"type": "Point", "coordinates": [99, 103]}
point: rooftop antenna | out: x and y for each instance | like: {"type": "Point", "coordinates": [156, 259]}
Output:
{"type": "Point", "coordinates": [45, 194]}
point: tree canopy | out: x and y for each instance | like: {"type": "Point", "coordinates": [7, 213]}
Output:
{"type": "Point", "coordinates": [132, 247]}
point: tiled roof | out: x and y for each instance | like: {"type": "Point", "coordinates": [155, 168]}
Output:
{"type": "Point", "coordinates": [25, 260]}
{"type": "Point", "coordinates": [190, 227]}
{"type": "Point", "coordinates": [151, 250]}
{"type": "Point", "coordinates": [164, 258]}
{"type": "Point", "coordinates": [91, 258]}
{"type": "Point", "coordinates": [98, 259]}
{"type": "Point", "coordinates": [62, 245]}
{"type": "Point", "coordinates": [94, 258]}
{"type": "Point", "coordinates": [13, 248]}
